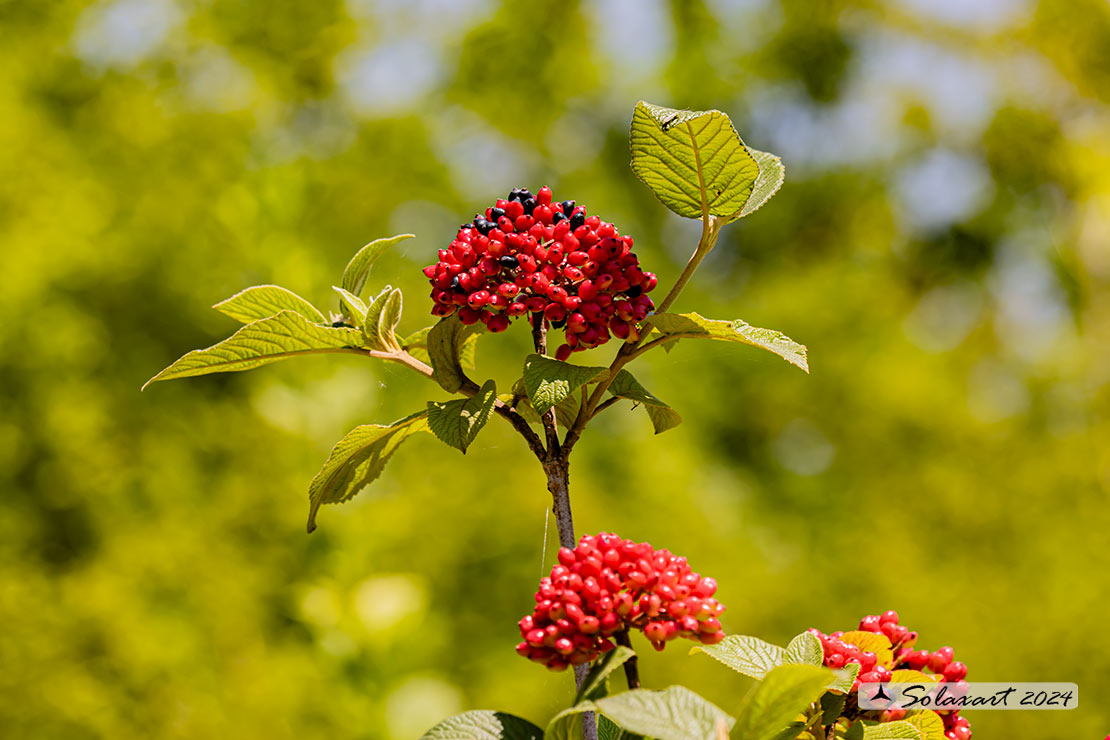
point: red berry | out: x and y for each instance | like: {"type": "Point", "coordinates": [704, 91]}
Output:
{"type": "Point", "coordinates": [955, 671]}
{"type": "Point", "coordinates": [889, 616]}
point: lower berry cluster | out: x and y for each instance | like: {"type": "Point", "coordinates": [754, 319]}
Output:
{"type": "Point", "coordinates": [608, 585]}
{"type": "Point", "coordinates": [839, 653]}
{"type": "Point", "coordinates": [531, 256]}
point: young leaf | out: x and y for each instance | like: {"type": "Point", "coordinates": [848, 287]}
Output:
{"type": "Point", "coordinates": [381, 319]}
{"type": "Point", "coordinates": [662, 416]}
{"type": "Point", "coordinates": [458, 422]}
{"type": "Point", "coordinates": [451, 349]}
{"type": "Point", "coordinates": [844, 678]}
{"type": "Point", "coordinates": [567, 724]}
{"type": "Point", "coordinates": [358, 459]}
{"type": "Point", "coordinates": [900, 730]}
{"type": "Point", "coordinates": [549, 381]}
{"type": "Point", "coordinates": [416, 344]}
{"type": "Point", "coordinates": [695, 326]}
{"type": "Point", "coordinates": [675, 713]}
{"type": "Point", "coordinates": [358, 269]}
{"type": "Point", "coordinates": [771, 176]}
{"type": "Point", "coordinates": [805, 649]}
{"type": "Point", "coordinates": [694, 161]}
{"type": "Point", "coordinates": [928, 723]}
{"type": "Point", "coordinates": [776, 701]}
{"type": "Point", "coordinates": [353, 306]}
{"type": "Point", "coordinates": [484, 725]}
{"type": "Point", "coordinates": [748, 655]}
{"type": "Point", "coordinates": [594, 687]}
{"type": "Point", "coordinates": [287, 334]}
{"type": "Point", "coordinates": [871, 642]}
{"type": "Point", "coordinates": [263, 301]}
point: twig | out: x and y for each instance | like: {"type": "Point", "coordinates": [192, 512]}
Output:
{"type": "Point", "coordinates": [631, 669]}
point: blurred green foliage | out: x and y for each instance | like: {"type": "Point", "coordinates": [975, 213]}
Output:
{"type": "Point", "coordinates": [942, 245]}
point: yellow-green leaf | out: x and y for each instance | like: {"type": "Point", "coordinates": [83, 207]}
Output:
{"type": "Point", "coordinates": [358, 269]}
{"type": "Point", "coordinates": [694, 161]}
{"type": "Point", "coordinates": [358, 459]}
{"type": "Point", "coordinates": [263, 301]}
{"type": "Point", "coordinates": [451, 349]}
{"type": "Point", "coordinates": [662, 416]}
{"type": "Point", "coordinates": [287, 334]}
{"type": "Point", "coordinates": [694, 326]}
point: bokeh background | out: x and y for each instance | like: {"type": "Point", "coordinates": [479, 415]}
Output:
{"type": "Point", "coordinates": [942, 244]}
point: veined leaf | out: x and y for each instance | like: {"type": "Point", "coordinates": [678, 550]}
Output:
{"type": "Point", "coordinates": [748, 655]}
{"type": "Point", "coordinates": [805, 649]}
{"type": "Point", "coordinates": [358, 459]}
{"type": "Point", "coordinates": [381, 319]}
{"type": "Point", "coordinates": [451, 349]}
{"type": "Point", "coordinates": [607, 729]}
{"type": "Point", "coordinates": [694, 161]}
{"type": "Point", "coordinates": [566, 411]}
{"type": "Point", "coordinates": [771, 176]}
{"type": "Point", "coordinates": [484, 725]}
{"type": "Point", "coordinates": [353, 307]}
{"type": "Point", "coordinates": [358, 269]}
{"type": "Point", "coordinates": [458, 422]}
{"type": "Point", "coordinates": [676, 713]}
{"type": "Point", "coordinates": [928, 723]}
{"type": "Point", "coordinates": [549, 381]}
{"type": "Point", "coordinates": [695, 326]}
{"type": "Point", "coordinates": [263, 301]}
{"type": "Point", "coordinates": [776, 701]}
{"type": "Point", "coordinates": [662, 416]}
{"type": "Point", "coordinates": [287, 334]}
{"type": "Point", "coordinates": [594, 687]}
{"type": "Point", "coordinates": [844, 678]}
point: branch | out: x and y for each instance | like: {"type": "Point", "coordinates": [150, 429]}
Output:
{"type": "Point", "coordinates": [631, 668]}
{"type": "Point", "coordinates": [550, 425]}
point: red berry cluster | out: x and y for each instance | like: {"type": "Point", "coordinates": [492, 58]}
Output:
{"type": "Point", "coordinates": [530, 256]}
{"type": "Point", "coordinates": [839, 653]}
{"type": "Point", "coordinates": [607, 585]}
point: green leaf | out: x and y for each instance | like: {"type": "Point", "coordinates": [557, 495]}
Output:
{"type": "Point", "coordinates": [832, 706]}
{"type": "Point", "coordinates": [695, 326]}
{"type": "Point", "coordinates": [662, 416]}
{"type": "Point", "coordinates": [594, 687]}
{"type": "Point", "coordinates": [805, 649]}
{"type": "Point", "coordinates": [549, 381]}
{"type": "Point", "coordinates": [675, 713]}
{"type": "Point", "coordinates": [854, 731]}
{"type": "Point", "coordinates": [844, 678]}
{"type": "Point", "coordinates": [607, 729]}
{"type": "Point", "coordinates": [928, 723]}
{"type": "Point", "coordinates": [900, 730]}
{"type": "Point", "coordinates": [484, 725]}
{"type": "Point", "coordinates": [358, 459]}
{"type": "Point", "coordinates": [458, 422]}
{"type": "Point", "coordinates": [358, 269]}
{"type": "Point", "coordinates": [566, 411]}
{"type": "Point", "coordinates": [381, 319]}
{"type": "Point", "coordinates": [451, 349]}
{"type": "Point", "coordinates": [771, 176]}
{"type": "Point", "coordinates": [776, 701]}
{"type": "Point", "coordinates": [416, 344]}
{"type": "Point", "coordinates": [748, 655]}
{"type": "Point", "coordinates": [287, 334]}
{"type": "Point", "coordinates": [353, 307]}
{"type": "Point", "coordinates": [694, 161]}
{"type": "Point", "coordinates": [263, 301]}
